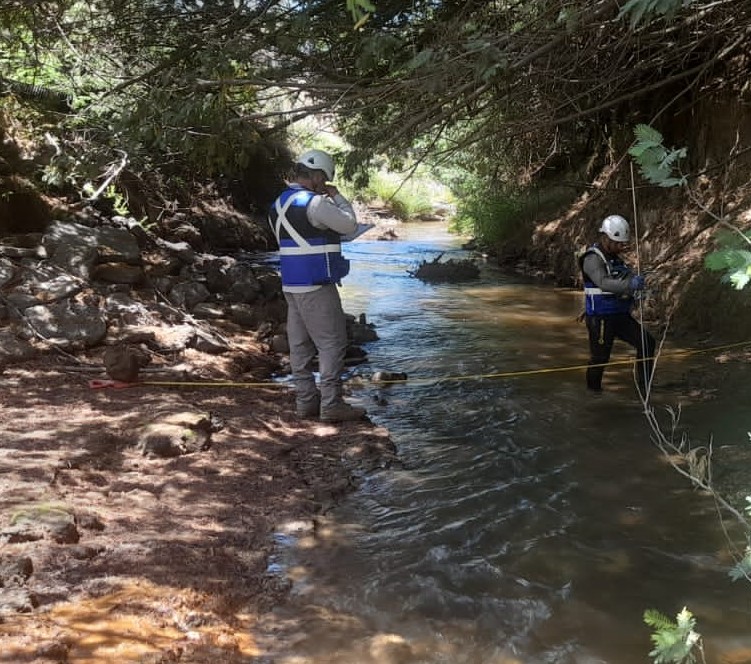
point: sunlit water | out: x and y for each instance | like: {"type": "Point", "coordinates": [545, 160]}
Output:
{"type": "Point", "coordinates": [530, 522]}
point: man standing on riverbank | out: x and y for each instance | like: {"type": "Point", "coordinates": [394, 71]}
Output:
{"type": "Point", "coordinates": [309, 219]}
{"type": "Point", "coordinates": [610, 287]}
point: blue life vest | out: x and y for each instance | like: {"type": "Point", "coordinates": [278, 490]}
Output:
{"type": "Point", "coordinates": [308, 256]}
{"type": "Point", "coordinates": [597, 301]}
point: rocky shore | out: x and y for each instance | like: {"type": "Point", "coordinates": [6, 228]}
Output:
{"type": "Point", "coordinates": [147, 458]}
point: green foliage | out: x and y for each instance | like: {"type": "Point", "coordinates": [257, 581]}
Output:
{"type": "Point", "coordinates": [377, 50]}
{"type": "Point", "coordinates": [733, 259]}
{"type": "Point", "coordinates": [145, 80]}
{"type": "Point", "coordinates": [637, 10]}
{"type": "Point", "coordinates": [72, 167]}
{"type": "Point", "coordinates": [674, 642]}
{"type": "Point", "coordinates": [360, 10]}
{"type": "Point", "coordinates": [406, 198]}
{"type": "Point", "coordinates": [656, 163]}
{"type": "Point", "coordinates": [119, 204]}
{"type": "Point", "coordinates": [200, 131]}
{"type": "Point", "coordinates": [742, 569]}
{"type": "Point", "coordinates": [492, 217]}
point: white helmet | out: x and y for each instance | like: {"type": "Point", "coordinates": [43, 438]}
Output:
{"type": "Point", "coordinates": [616, 228]}
{"type": "Point", "coordinates": [318, 160]}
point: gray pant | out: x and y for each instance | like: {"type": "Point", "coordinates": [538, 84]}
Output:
{"type": "Point", "coordinates": [316, 322]}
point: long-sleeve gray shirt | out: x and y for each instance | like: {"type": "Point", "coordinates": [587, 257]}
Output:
{"type": "Point", "coordinates": [595, 269]}
{"type": "Point", "coordinates": [334, 213]}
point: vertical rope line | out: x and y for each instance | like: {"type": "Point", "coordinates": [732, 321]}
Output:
{"type": "Point", "coordinates": [647, 379]}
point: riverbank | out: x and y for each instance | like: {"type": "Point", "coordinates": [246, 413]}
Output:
{"type": "Point", "coordinates": [111, 554]}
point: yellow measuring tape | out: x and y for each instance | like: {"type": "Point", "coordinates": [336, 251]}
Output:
{"type": "Point", "coordinates": [504, 374]}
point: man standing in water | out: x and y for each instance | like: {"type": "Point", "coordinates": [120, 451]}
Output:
{"type": "Point", "coordinates": [309, 219]}
{"type": "Point", "coordinates": [609, 292]}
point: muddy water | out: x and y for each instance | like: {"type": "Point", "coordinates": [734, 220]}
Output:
{"type": "Point", "coordinates": [530, 522]}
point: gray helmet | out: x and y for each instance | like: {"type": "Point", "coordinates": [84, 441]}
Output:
{"type": "Point", "coordinates": [318, 160]}
{"type": "Point", "coordinates": [616, 228]}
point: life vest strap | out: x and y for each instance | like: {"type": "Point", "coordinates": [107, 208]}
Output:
{"type": "Point", "coordinates": [281, 220]}
{"type": "Point", "coordinates": [309, 249]}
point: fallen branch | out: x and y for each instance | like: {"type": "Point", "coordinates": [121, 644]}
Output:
{"type": "Point", "coordinates": [112, 172]}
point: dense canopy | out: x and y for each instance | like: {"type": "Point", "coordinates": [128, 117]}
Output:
{"type": "Point", "coordinates": [214, 83]}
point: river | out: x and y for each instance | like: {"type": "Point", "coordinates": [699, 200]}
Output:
{"type": "Point", "coordinates": [529, 521]}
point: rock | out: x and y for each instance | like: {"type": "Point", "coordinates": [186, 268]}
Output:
{"type": "Point", "coordinates": [174, 434]}
{"type": "Point", "coordinates": [50, 284]}
{"type": "Point", "coordinates": [186, 232]}
{"type": "Point", "coordinates": [16, 600]}
{"type": "Point", "coordinates": [216, 269]}
{"type": "Point", "coordinates": [7, 271]}
{"type": "Point", "coordinates": [90, 522]}
{"type": "Point", "coordinates": [56, 650]}
{"type": "Point", "coordinates": [117, 245]}
{"type": "Point", "coordinates": [117, 273]}
{"type": "Point", "coordinates": [355, 355]}
{"type": "Point", "coordinates": [271, 284]}
{"type": "Point", "coordinates": [21, 301]}
{"type": "Point", "coordinates": [15, 570]}
{"type": "Point", "coordinates": [160, 338]}
{"type": "Point", "coordinates": [14, 349]}
{"type": "Point", "coordinates": [388, 377]}
{"type": "Point", "coordinates": [188, 294]}
{"type": "Point", "coordinates": [209, 311]}
{"type": "Point", "coordinates": [123, 362]}
{"type": "Point", "coordinates": [85, 551]}
{"type": "Point", "coordinates": [244, 285]}
{"type": "Point", "coordinates": [279, 343]}
{"type": "Point", "coordinates": [66, 324]}
{"type": "Point", "coordinates": [42, 521]}
{"type": "Point", "coordinates": [73, 247]}
{"type": "Point", "coordinates": [209, 343]}
{"type": "Point", "coordinates": [182, 250]}
{"type": "Point", "coordinates": [360, 333]}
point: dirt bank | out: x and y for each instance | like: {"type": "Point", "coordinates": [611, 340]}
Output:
{"type": "Point", "coordinates": [171, 558]}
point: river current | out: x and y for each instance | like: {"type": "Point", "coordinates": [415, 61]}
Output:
{"type": "Point", "coordinates": [528, 522]}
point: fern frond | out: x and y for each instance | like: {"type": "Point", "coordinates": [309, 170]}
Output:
{"type": "Point", "coordinates": [653, 618]}
{"type": "Point", "coordinates": [646, 134]}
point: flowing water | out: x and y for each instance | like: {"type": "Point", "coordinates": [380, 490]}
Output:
{"type": "Point", "coordinates": [530, 521]}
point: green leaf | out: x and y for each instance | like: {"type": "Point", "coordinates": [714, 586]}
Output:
{"type": "Point", "coordinates": [728, 259]}
{"type": "Point", "coordinates": [674, 642]}
{"type": "Point", "coordinates": [656, 163]}
{"type": "Point", "coordinates": [360, 10]}
{"type": "Point", "coordinates": [643, 146]}
{"type": "Point", "coordinates": [739, 279]}
{"type": "Point", "coordinates": [646, 133]}
{"type": "Point", "coordinates": [639, 9]}
{"type": "Point", "coordinates": [654, 618]}
{"type": "Point", "coordinates": [654, 173]}
{"type": "Point", "coordinates": [686, 619]}
{"type": "Point", "coordinates": [636, 8]}
{"type": "Point", "coordinates": [742, 569]}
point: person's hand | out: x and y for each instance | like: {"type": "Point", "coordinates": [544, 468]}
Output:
{"type": "Point", "coordinates": [636, 283]}
{"type": "Point", "coordinates": [331, 190]}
